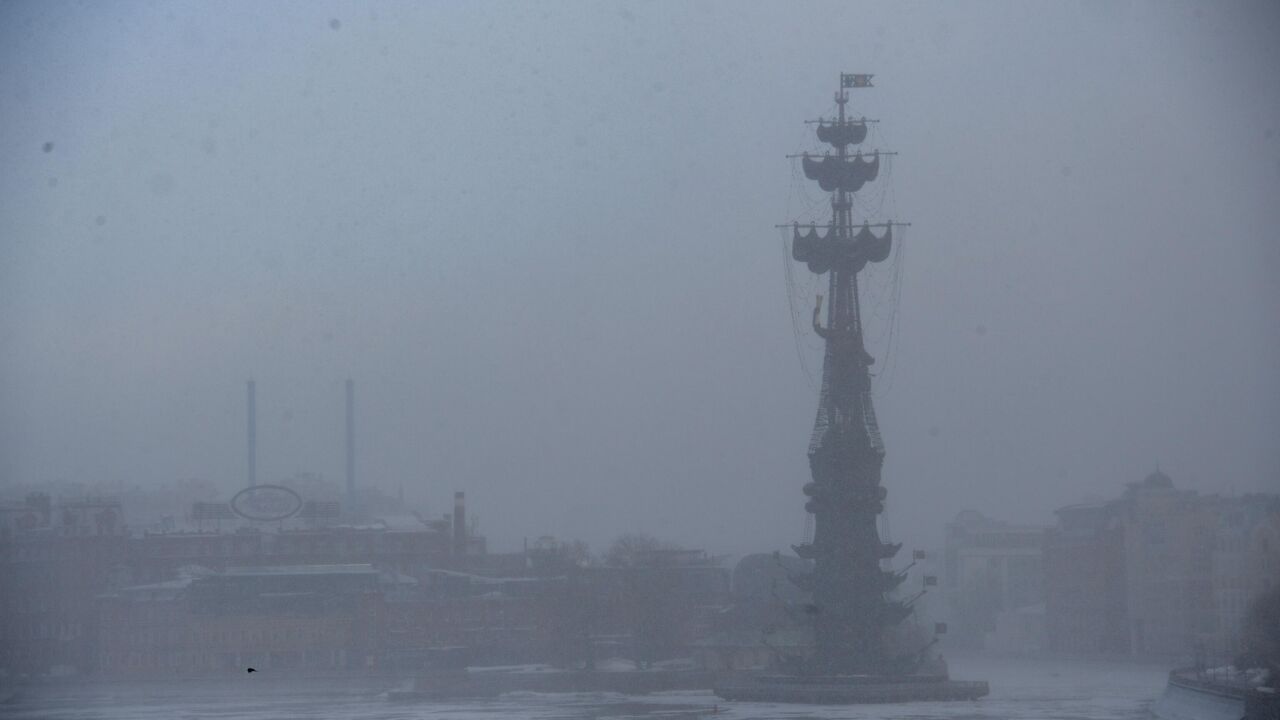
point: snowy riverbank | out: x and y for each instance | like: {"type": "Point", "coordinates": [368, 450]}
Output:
{"type": "Point", "coordinates": [1022, 689]}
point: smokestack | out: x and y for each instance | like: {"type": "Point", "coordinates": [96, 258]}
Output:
{"type": "Point", "coordinates": [459, 524]}
{"type": "Point", "coordinates": [253, 435]}
{"type": "Point", "coordinates": [351, 445]}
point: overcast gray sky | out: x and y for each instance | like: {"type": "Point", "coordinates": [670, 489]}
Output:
{"type": "Point", "coordinates": [540, 237]}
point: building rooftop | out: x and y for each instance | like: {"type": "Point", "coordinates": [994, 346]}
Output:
{"type": "Point", "coordinates": [1158, 479]}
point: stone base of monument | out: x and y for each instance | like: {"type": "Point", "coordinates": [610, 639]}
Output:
{"type": "Point", "coordinates": [849, 689]}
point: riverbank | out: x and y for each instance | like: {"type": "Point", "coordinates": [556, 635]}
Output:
{"type": "Point", "coordinates": [1022, 689]}
{"type": "Point", "coordinates": [1192, 695]}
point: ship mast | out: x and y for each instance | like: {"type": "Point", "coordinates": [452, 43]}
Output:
{"type": "Point", "coordinates": [850, 608]}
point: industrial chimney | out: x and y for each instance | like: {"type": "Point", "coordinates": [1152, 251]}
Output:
{"type": "Point", "coordinates": [253, 435]}
{"type": "Point", "coordinates": [459, 524]}
{"type": "Point", "coordinates": [351, 446]}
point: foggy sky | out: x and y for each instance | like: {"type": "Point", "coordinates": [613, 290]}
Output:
{"type": "Point", "coordinates": [540, 238]}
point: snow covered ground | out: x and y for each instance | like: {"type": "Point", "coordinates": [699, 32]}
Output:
{"type": "Point", "coordinates": [1020, 689]}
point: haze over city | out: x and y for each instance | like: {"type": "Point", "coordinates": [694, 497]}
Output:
{"type": "Point", "coordinates": [541, 240]}
{"type": "Point", "coordinates": [638, 360]}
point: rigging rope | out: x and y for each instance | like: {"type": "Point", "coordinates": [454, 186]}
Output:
{"type": "Point", "coordinates": [890, 360]}
{"type": "Point", "coordinates": [791, 305]}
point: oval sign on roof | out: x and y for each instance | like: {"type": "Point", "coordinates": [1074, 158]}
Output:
{"type": "Point", "coordinates": [265, 503]}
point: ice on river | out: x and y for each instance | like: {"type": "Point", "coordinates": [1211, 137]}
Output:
{"type": "Point", "coordinates": [1020, 689]}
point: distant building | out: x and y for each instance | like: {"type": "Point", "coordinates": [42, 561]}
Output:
{"type": "Point", "coordinates": [990, 567]}
{"type": "Point", "coordinates": [1168, 543]}
{"type": "Point", "coordinates": [312, 595]}
{"type": "Point", "coordinates": [407, 546]}
{"type": "Point", "coordinates": [1020, 631]}
{"type": "Point", "coordinates": [33, 513]}
{"type": "Point", "coordinates": [1084, 566]}
{"type": "Point", "coordinates": [1246, 564]}
{"type": "Point", "coordinates": [300, 618]}
{"type": "Point", "coordinates": [1159, 571]}
{"type": "Point", "coordinates": [58, 557]}
{"type": "Point", "coordinates": [54, 560]}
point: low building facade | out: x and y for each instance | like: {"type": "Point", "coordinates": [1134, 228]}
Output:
{"type": "Point", "coordinates": [990, 568]}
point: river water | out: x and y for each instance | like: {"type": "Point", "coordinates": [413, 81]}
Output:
{"type": "Point", "coordinates": [1020, 690]}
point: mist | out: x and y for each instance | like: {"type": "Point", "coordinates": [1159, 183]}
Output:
{"type": "Point", "coordinates": [540, 238]}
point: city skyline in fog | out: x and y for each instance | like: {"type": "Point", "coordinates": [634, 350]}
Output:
{"type": "Point", "coordinates": [540, 239]}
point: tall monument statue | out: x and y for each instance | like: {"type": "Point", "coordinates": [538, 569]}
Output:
{"type": "Point", "coordinates": [855, 657]}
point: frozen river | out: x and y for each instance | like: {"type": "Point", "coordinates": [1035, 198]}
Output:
{"type": "Point", "coordinates": [1025, 690]}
